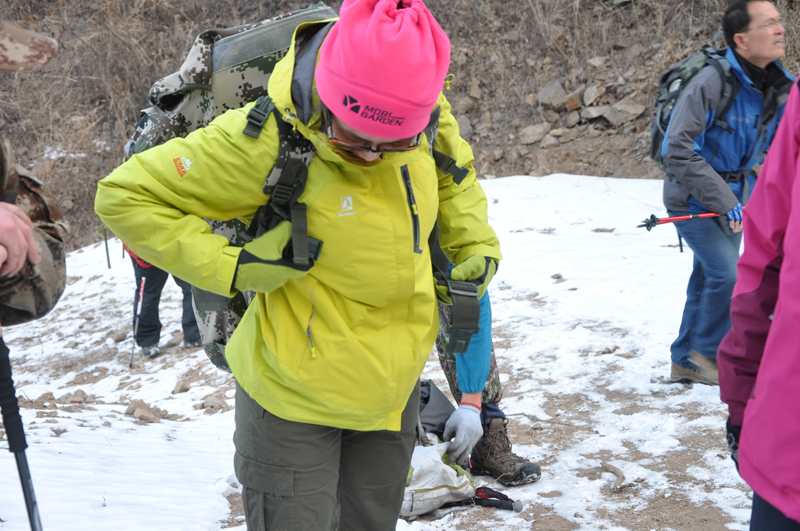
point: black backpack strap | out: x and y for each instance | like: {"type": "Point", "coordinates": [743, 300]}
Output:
{"type": "Point", "coordinates": [444, 162]}
{"type": "Point", "coordinates": [285, 183]}
{"type": "Point", "coordinates": [466, 312]}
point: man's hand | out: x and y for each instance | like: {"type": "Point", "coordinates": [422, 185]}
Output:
{"type": "Point", "coordinates": [16, 239]}
{"type": "Point", "coordinates": [464, 427]}
{"type": "Point", "coordinates": [735, 218]}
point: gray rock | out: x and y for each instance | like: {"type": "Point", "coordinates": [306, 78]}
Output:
{"type": "Point", "coordinates": [135, 405]}
{"type": "Point", "coordinates": [548, 142]}
{"type": "Point", "coordinates": [590, 113]}
{"type": "Point", "coordinates": [573, 119]}
{"type": "Point", "coordinates": [475, 89]}
{"type": "Point", "coordinates": [631, 106]}
{"type": "Point", "coordinates": [569, 135]}
{"type": "Point", "coordinates": [534, 133]}
{"type": "Point", "coordinates": [552, 96]}
{"type": "Point", "coordinates": [573, 101]}
{"type": "Point", "coordinates": [463, 105]}
{"type": "Point", "coordinates": [146, 415]}
{"type": "Point", "coordinates": [623, 112]}
{"type": "Point", "coordinates": [592, 93]}
{"type": "Point", "coordinates": [181, 387]}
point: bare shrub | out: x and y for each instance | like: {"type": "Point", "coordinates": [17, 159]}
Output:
{"type": "Point", "coordinates": [70, 119]}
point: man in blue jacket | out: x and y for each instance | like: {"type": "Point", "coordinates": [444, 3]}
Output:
{"type": "Point", "coordinates": [711, 167]}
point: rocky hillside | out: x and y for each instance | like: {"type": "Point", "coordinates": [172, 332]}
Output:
{"type": "Point", "coordinates": [542, 86]}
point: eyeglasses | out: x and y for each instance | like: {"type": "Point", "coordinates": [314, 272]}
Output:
{"type": "Point", "coordinates": [772, 24]}
{"type": "Point", "coordinates": [346, 141]}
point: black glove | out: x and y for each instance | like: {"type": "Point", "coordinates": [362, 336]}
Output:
{"type": "Point", "coordinates": [734, 433]}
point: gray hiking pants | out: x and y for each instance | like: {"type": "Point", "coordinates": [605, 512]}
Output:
{"type": "Point", "coordinates": [296, 476]}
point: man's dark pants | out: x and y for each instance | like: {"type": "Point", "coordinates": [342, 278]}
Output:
{"type": "Point", "coordinates": [148, 331]}
{"type": "Point", "coordinates": [766, 517]}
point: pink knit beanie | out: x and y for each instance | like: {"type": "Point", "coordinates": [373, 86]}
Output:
{"type": "Point", "coordinates": [382, 66]}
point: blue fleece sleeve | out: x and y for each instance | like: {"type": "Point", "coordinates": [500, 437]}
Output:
{"type": "Point", "coordinates": [472, 367]}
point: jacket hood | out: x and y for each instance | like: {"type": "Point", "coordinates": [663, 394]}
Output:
{"type": "Point", "coordinates": [291, 85]}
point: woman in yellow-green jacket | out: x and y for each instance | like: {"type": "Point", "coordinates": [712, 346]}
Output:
{"type": "Point", "coordinates": [328, 356]}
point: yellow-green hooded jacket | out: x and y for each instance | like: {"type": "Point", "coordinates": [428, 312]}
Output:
{"type": "Point", "coordinates": [344, 345]}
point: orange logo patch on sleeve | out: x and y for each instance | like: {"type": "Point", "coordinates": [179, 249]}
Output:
{"type": "Point", "coordinates": [182, 164]}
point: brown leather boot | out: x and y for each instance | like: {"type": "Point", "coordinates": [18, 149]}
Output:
{"type": "Point", "coordinates": [493, 456]}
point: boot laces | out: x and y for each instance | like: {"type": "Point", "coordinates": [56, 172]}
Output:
{"type": "Point", "coordinates": [500, 445]}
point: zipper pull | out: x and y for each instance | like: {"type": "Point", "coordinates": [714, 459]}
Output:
{"type": "Point", "coordinates": [449, 79]}
{"type": "Point", "coordinates": [290, 118]}
{"type": "Point", "coordinates": [310, 342]}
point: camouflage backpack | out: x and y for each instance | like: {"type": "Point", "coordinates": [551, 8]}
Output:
{"type": "Point", "coordinates": [227, 69]}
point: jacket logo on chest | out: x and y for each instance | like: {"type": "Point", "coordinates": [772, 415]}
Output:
{"type": "Point", "coordinates": [346, 204]}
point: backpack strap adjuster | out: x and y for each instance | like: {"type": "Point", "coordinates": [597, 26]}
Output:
{"type": "Point", "coordinates": [281, 194]}
{"type": "Point", "coordinates": [257, 116]}
{"type": "Point", "coordinates": [465, 319]}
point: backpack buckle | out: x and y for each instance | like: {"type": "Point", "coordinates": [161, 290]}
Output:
{"type": "Point", "coordinates": [281, 194]}
{"type": "Point", "coordinates": [257, 117]}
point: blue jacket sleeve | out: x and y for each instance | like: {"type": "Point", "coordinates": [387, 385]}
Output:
{"type": "Point", "coordinates": [472, 367]}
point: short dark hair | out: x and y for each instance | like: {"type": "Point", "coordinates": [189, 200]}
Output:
{"type": "Point", "coordinates": [736, 19]}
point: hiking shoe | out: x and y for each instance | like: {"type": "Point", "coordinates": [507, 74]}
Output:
{"type": "Point", "coordinates": [493, 456]}
{"type": "Point", "coordinates": [704, 371]}
{"type": "Point", "coordinates": [151, 351]}
{"type": "Point", "coordinates": [193, 343]}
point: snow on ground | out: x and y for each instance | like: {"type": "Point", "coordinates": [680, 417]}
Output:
{"type": "Point", "coordinates": [585, 305]}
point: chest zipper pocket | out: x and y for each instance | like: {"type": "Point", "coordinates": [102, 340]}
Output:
{"type": "Point", "coordinates": [412, 205]}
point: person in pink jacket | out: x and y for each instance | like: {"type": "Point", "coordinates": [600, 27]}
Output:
{"type": "Point", "coordinates": [759, 359]}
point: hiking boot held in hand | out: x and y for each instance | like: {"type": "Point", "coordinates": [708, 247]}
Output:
{"type": "Point", "coordinates": [493, 456]}
{"type": "Point", "coordinates": [151, 351]}
{"type": "Point", "coordinates": [704, 371]}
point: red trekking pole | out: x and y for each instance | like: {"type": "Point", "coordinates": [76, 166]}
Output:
{"type": "Point", "coordinates": [137, 310]}
{"type": "Point", "coordinates": [652, 221]}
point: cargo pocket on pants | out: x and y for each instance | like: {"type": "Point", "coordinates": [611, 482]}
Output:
{"type": "Point", "coordinates": [265, 489]}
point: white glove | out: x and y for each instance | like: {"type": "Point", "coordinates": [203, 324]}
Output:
{"type": "Point", "coordinates": [465, 425]}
